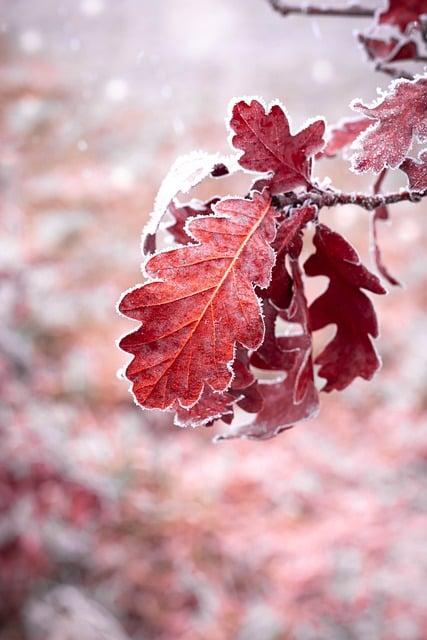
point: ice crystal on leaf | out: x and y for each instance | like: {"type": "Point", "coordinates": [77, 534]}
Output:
{"type": "Point", "coordinates": [209, 345]}
{"type": "Point", "coordinates": [350, 353]}
{"type": "Point", "coordinates": [391, 49]}
{"type": "Point", "coordinates": [416, 171]}
{"type": "Point", "coordinates": [344, 134]}
{"type": "Point", "coordinates": [199, 303]}
{"type": "Point", "coordinates": [269, 146]}
{"type": "Point", "coordinates": [400, 116]}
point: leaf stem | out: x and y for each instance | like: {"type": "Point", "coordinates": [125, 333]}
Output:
{"type": "Point", "coordinates": [393, 72]}
{"type": "Point", "coordinates": [332, 198]}
{"type": "Point", "coordinates": [351, 10]}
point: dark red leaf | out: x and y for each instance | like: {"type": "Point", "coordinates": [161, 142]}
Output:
{"type": "Point", "coordinates": [212, 405]}
{"type": "Point", "coordinates": [288, 239]}
{"type": "Point", "coordinates": [416, 171]}
{"type": "Point", "coordinates": [220, 170]}
{"type": "Point", "coordinates": [198, 303]}
{"type": "Point", "coordinates": [402, 13]}
{"type": "Point", "coordinates": [269, 146]}
{"type": "Point", "coordinates": [401, 116]}
{"type": "Point", "coordinates": [391, 50]}
{"type": "Point", "coordinates": [185, 173]}
{"type": "Point", "coordinates": [181, 213]}
{"type": "Point", "coordinates": [296, 398]}
{"type": "Point", "coordinates": [351, 352]}
{"type": "Point", "coordinates": [343, 134]}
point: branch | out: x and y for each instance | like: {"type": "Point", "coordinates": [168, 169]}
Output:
{"type": "Point", "coordinates": [393, 72]}
{"type": "Point", "coordinates": [332, 198]}
{"type": "Point", "coordinates": [353, 11]}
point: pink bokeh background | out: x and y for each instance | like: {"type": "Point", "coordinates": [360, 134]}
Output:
{"type": "Point", "coordinates": [114, 523]}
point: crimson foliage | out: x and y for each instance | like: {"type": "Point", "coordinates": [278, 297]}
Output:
{"type": "Point", "coordinates": [212, 309]}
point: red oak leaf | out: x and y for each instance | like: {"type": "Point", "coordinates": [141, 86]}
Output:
{"type": "Point", "coordinates": [391, 49]}
{"type": "Point", "coordinates": [182, 212]}
{"type": "Point", "coordinates": [220, 170]}
{"type": "Point", "coordinates": [199, 302]}
{"type": "Point", "coordinates": [401, 115]}
{"type": "Point", "coordinates": [269, 146]}
{"type": "Point", "coordinates": [212, 405]}
{"type": "Point", "coordinates": [185, 173]}
{"type": "Point", "coordinates": [402, 13]}
{"type": "Point", "coordinates": [288, 239]}
{"type": "Point", "coordinates": [343, 134]}
{"type": "Point", "coordinates": [295, 398]}
{"type": "Point", "coordinates": [416, 171]}
{"type": "Point", "coordinates": [351, 352]}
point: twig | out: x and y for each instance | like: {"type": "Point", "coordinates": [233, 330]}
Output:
{"type": "Point", "coordinates": [332, 198]}
{"type": "Point", "coordinates": [377, 186]}
{"type": "Point", "coordinates": [353, 11]}
{"type": "Point", "coordinates": [393, 72]}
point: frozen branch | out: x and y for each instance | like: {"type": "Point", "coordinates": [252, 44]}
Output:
{"type": "Point", "coordinates": [332, 198]}
{"type": "Point", "coordinates": [354, 11]}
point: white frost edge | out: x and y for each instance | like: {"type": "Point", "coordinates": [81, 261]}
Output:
{"type": "Point", "coordinates": [267, 106]}
{"type": "Point", "coordinates": [357, 145]}
{"type": "Point", "coordinates": [121, 372]}
{"type": "Point", "coordinates": [185, 173]}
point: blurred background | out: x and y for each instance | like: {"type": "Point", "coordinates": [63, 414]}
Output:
{"type": "Point", "coordinates": [114, 524]}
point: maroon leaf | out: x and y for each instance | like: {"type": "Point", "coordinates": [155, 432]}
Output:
{"type": "Point", "coordinates": [185, 173]}
{"type": "Point", "coordinates": [199, 302]}
{"type": "Point", "coordinates": [402, 13]}
{"type": "Point", "coordinates": [181, 213]}
{"type": "Point", "coordinates": [288, 239]}
{"type": "Point", "coordinates": [343, 134]}
{"type": "Point", "coordinates": [269, 146]}
{"type": "Point", "coordinates": [416, 171]}
{"type": "Point", "coordinates": [401, 116]}
{"type": "Point", "coordinates": [391, 50]}
{"type": "Point", "coordinates": [296, 398]}
{"type": "Point", "coordinates": [212, 405]}
{"type": "Point", "coordinates": [351, 352]}
{"type": "Point", "coordinates": [220, 170]}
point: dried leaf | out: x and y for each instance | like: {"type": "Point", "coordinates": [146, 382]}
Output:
{"type": "Point", "coordinates": [295, 398]}
{"type": "Point", "coordinates": [390, 49]}
{"type": "Point", "coordinates": [351, 352]}
{"type": "Point", "coordinates": [198, 303]}
{"type": "Point", "coordinates": [288, 240]}
{"type": "Point", "coordinates": [343, 134]}
{"type": "Point", "coordinates": [401, 116]}
{"type": "Point", "coordinates": [212, 405]}
{"type": "Point", "coordinates": [181, 214]}
{"type": "Point", "coordinates": [416, 171]}
{"type": "Point", "coordinates": [186, 172]}
{"type": "Point", "coordinates": [269, 146]}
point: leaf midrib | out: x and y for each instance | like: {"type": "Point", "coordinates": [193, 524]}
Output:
{"type": "Point", "coordinates": [214, 294]}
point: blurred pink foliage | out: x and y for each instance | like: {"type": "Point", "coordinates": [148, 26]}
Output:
{"type": "Point", "coordinates": [113, 525]}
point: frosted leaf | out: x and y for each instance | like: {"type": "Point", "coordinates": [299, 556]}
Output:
{"type": "Point", "coordinates": [186, 172]}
